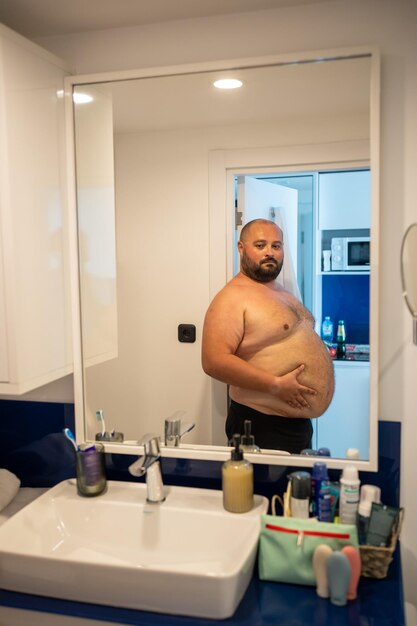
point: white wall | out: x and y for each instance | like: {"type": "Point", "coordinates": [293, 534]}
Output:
{"type": "Point", "coordinates": [392, 26]}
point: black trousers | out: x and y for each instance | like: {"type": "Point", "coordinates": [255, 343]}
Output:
{"type": "Point", "coordinates": [292, 434]}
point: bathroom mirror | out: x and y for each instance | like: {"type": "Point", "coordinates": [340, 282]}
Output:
{"type": "Point", "coordinates": [155, 157]}
{"type": "Point", "coordinates": [409, 273]}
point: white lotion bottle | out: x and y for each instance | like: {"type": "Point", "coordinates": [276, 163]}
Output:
{"type": "Point", "coordinates": [237, 481]}
{"type": "Point", "coordinates": [349, 495]}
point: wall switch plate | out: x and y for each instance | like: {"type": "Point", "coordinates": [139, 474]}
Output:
{"type": "Point", "coordinates": [186, 333]}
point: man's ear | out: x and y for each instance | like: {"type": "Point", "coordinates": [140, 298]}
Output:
{"type": "Point", "coordinates": [239, 246]}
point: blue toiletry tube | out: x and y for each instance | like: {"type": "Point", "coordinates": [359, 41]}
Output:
{"type": "Point", "coordinates": [338, 575]}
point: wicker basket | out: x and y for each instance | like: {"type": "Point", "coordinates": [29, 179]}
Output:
{"type": "Point", "coordinates": [375, 561]}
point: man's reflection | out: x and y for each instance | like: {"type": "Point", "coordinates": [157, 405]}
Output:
{"type": "Point", "coordinates": [259, 339]}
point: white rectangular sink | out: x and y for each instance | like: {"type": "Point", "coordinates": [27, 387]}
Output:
{"type": "Point", "coordinates": [186, 556]}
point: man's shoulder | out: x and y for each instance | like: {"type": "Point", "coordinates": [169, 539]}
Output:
{"type": "Point", "coordinates": [236, 291]}
{"type": "Point", "coordinates": [239, 285]}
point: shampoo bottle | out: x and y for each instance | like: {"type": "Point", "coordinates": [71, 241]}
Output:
{"type": "Point", "coordinates": [349, 495]}
{"type": "Point", "coordinates": [237, 481]}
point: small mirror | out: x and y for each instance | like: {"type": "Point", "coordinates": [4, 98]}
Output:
{"type": "Point", "coordinates": [409, 273]}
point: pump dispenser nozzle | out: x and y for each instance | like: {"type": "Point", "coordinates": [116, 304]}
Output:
{"type": "Point", "coordinates": [248, 440]}
{"type": "Point", "coordinates": [237, 454]}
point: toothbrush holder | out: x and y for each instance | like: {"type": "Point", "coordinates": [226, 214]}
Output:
{"type": "Point", "coordinates": [110, 437]}
{"type": "Point", "coordinates": [90, 469]}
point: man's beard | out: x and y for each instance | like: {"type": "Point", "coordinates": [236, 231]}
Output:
{"type": "Point", "coordinates": [263, 272]}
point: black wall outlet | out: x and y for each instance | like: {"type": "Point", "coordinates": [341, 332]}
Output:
{"type": "Point", "coordinates": [186, 333]}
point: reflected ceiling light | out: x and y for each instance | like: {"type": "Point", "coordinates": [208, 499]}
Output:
{"type": "Point", "coordinates": [228, 83]}
{"type": "Point", "coordinates": [82, 98]}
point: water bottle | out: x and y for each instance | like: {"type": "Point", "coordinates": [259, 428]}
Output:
{"type": "Point", "coordinates": [327, 330]}
{"type": "Point", "coordinates": [341, 341]}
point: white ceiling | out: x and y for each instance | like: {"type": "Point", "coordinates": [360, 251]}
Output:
{"type": "Point", "coordinates": [43, 18]}
{"type": "Point", "coordinates": [306, 91]}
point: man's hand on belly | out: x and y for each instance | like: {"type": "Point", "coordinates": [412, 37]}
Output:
{"type": "Point", "coordinates": [289, 390]}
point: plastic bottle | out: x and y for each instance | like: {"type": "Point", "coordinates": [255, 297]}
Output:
{"type": "Point", "coordinates": [349, 495]}
{"type": "Point", "coordinates": [352, 453]}
{"type": "Point", "coordinates": [324, 451]}
{"type": "Point", "coordinates": [300, 494]}
{"type": "Point", "coordinates": [324, 513]}
{"type": "Point", "coordinates": [341, 340]}
{"type": "Point", "coordinates": [355, 570]}
{"type": "Point", "coordinates": [368, 494]}
{"type": "Point", "coordinates": [318, 475]}
{"type": "Point", "coordinates": [237, 481]}
{"type": "Point", "coordinates": [327, 330]}
{"type": "Point", "coordinates": [338, 575]}
{"type": "Point", "coordinates": [320, 557]}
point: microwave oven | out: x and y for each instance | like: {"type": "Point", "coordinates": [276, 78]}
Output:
{"type": "Point", "coordinates": [350, 254]}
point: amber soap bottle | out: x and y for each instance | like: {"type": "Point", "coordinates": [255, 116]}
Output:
{"type": "Point", "coordinates": [237, 481]}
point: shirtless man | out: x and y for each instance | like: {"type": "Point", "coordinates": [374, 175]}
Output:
{"type": "Point", "coordinates": [259, 339]}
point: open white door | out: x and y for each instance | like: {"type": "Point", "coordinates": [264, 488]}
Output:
{"type": "Point", "coordinates": [262, 199]}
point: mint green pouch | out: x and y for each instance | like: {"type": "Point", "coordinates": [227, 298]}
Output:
{"type": "Point", "coordinates": [287, 545]}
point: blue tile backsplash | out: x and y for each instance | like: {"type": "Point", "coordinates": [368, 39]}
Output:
{"type": "Point", "coordinates": [346, 298]}
{"type": "Point", "coordinates": [36, 450]}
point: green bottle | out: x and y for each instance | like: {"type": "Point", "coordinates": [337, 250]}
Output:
{"type": "Point", "coordinates": [341, 341]}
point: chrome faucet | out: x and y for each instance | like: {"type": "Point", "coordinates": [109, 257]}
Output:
{"type": "Point", "coordinates": [149, 464]}
{"type": "Point", "coordinates": [174, 431]}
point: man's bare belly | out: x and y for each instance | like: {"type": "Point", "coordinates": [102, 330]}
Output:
{"type": "Point", "coordinates": [303, 346]}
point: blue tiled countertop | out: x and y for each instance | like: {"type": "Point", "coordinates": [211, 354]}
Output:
{"type": "Point", "coordinates": [379, 603]}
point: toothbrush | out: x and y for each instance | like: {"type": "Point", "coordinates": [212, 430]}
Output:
{"type": "Point", "coordinates": [100, 418]}
{"type": "Point", "coordinates": [69, 435]}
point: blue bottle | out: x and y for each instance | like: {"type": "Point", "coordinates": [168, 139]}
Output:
{"type": "Point", "coordinates": [324, 508]}
{"type": "Point", "coordinates": [319, 474]}
{"type": "Point", "coordinates": [338, 575]}
{"type": "Point", "coordinates": [327, 330]}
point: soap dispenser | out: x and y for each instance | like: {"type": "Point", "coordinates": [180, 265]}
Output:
{"type": "Point", "coordinates": [248, 440]}
{"type": "Point", "coordinates": [237, 481]}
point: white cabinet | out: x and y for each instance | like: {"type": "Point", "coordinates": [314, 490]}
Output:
{"type": "Point", "coordinates": [345, 424]}
{"type": "Point", "coordinates": [34, 298]}
{"type": "Point", "coordinates": [344, 200]}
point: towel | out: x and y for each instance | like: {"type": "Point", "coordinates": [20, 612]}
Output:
{"type": "Point", "coordinates": [9, 486]}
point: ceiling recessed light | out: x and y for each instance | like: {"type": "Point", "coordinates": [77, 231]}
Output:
{"type": "Point", "coordinates": [81, 98]}
{"type": "Point", "coordinates": [228, 83]}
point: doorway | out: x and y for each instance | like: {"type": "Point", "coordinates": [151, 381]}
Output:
{"type": "Point", "coordinates": [289, 200]}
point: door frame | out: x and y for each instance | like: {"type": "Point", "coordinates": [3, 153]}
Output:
{"type": "Point", "coordinates": [223, 166]}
